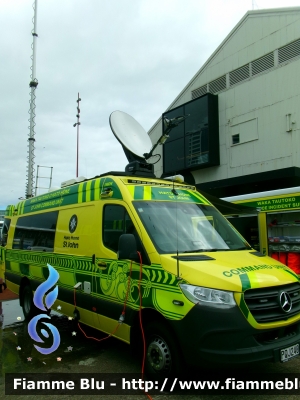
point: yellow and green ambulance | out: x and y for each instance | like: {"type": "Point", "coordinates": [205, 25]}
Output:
{"type": "Point", "coordinates": [202, 293]}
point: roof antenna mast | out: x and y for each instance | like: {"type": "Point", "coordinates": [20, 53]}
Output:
{"type": "Point", "coordinates": [33, 85]}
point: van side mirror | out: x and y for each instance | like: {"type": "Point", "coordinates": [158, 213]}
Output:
{"type": "Point", "coordinates": [127, 248]}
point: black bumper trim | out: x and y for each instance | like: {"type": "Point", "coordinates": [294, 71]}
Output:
{"type": "Point", "coordinates": [224, 336]}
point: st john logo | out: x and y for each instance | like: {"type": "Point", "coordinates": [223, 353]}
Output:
{"type": "Point", "coordinates": [73, 223]}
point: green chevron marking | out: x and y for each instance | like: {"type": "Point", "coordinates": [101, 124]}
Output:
{"type": "Point", "coordinates": [159, 276]}
{"type": "Point", "coordinates": [166, 277]}
{"type": "Point", "coordinates": [153, 276]}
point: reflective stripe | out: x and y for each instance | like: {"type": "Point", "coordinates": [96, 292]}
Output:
{"type": "Point", "coordinates": [139, 193]}
{"type": "Point", "coordinates": [80, 192]}
{"type": "Point", "coordinates": [147, 193]}
{"type": "Point", "coordinates": [97, 189]}
{"type": "Point", "coordinates": [131, 190]}
{"type": "Point", "coordinates": [246, 284]}
{"type": "Point", "coordinates": [88, 190]}
{"type": "Point", "coordinates": [243, 307]}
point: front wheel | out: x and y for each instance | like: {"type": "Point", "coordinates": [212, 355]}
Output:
{"type": "Point", "coordinates": [29, 309]}
{"type": "Point", "coordinates": [163, 355]}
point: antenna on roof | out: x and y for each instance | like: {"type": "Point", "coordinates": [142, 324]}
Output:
{"type": "Point", "coordinates": [168, 125]}
{"type": "Point", "coordinates": [33, 85]}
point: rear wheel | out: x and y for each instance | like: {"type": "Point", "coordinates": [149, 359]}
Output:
{"type": "Point", "coordinates": [163, 355]}
{"type": "Point", "coordinates": [29, 309]}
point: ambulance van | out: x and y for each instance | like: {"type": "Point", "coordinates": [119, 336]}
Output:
{"type": "Point", "coordinates": [139, 254]}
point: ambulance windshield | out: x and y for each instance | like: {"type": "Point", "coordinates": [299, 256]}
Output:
{"type": "Point", "coordinates": [188, 227]}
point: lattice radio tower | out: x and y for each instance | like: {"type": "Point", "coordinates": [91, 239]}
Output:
{"type": "Point", "coordinates": [33, 85]}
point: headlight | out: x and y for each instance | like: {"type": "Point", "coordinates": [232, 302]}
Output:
{"type": "Point", "coordinates": [210, 297]}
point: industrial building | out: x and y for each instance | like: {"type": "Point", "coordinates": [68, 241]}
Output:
{"type": "Point", "coordinates": [242, 129]}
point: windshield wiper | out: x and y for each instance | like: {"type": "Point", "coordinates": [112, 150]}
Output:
{"type": "Point", "coordinates": [200, 250]}
{"type": "Point", "coordinates": [207, 250]}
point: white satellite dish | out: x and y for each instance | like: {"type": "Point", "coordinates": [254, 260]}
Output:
{"type": "Point", "coordinates": [130, 133]}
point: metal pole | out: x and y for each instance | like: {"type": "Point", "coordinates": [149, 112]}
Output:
{"type": "Point", "coordinates": [37, 178]}
{"type": "Point", "coordinates": [33, 85]}
{"type": "Point", "coordinates": [77, 124]}
{"type": "Point", "coordinates": [78, 110]}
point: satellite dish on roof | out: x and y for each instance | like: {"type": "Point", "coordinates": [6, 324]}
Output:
{"type": "Point", "coordinates": [136, 143]}
{"type": "Point", "coordinates": [132, 136]}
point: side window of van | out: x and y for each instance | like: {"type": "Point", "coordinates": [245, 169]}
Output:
{"type": "Point", "coordinates": [4, 233]}
{"type": "Point", "coordinates": [36, 232]}
{"type": "Point", "coordinates": [116, 221]}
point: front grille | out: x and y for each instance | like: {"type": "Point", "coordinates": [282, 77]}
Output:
{"type": "Point", "coordinates": [264, 303]}
{"type": "Point", "coordinates": [273, 335]}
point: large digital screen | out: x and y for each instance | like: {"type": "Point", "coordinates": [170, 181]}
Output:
{"type": "Point", "coordinates": [194, 143]}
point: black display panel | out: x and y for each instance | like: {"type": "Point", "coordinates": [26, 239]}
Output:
{"type": "Point", "coordinates": [194, 143]}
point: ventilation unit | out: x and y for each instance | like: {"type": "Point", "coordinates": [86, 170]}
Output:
{"type": "Point", "coordinates": [263, 64]}
{"type": "Point", "coordinates": [199, 92]}
{"type": "Point", "coordinates": [217, 85]}
{"type": "Point", "coordinates": [239, 75]}
{"type": "Point", "coordinates": [289, 51]}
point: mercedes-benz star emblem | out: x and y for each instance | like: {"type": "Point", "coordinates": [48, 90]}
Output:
{"type": "Point", "coordinates": [285, 302]}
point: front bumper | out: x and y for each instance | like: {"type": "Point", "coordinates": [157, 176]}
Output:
{"type": "Point", "coordinates": [224, 336]}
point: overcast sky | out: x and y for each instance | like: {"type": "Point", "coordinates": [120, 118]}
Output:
{"type": "Point", "coordinates": [129, 55]}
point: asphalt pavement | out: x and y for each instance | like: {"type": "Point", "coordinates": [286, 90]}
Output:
{"type": "Point", "coordinates": [79, 354]}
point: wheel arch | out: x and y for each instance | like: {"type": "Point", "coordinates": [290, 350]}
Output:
{"type": "Point", "coordinates": [163, 353]}
{"type": "Point", "coordinates": [149, 316]}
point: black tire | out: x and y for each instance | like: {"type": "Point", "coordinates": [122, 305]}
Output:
{"type": "Point", "coordinates": [163, 355]}
{"type": "Point", "coordinates": [28, 307]}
